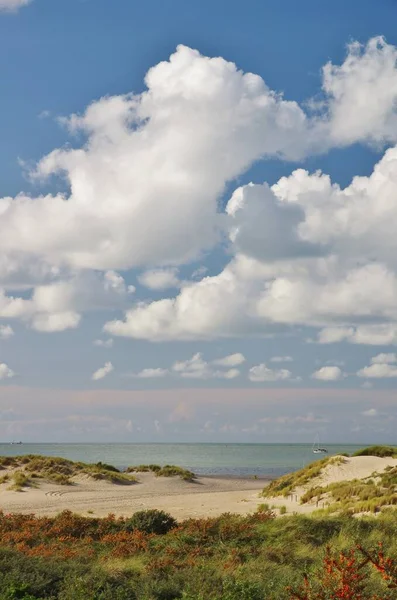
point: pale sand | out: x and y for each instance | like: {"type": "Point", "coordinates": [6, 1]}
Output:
{"type": "Point", "coordinates": [357, 467]}
{"type": "Point", "coordinates": [207, 497]}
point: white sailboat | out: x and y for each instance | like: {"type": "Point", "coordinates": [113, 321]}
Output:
{"type": "Point", "coordinates": [316, 446]}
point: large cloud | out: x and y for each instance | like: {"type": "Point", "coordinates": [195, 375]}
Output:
{"type": "Point", "coordinates": [362, 94]}
{"type": "Point", "coordinates": [307, 253]}
{"type": "Point", "coordinates": [144, 191]}
{"type": "Point", "coordinates": [144, 188]}
{"type": "Point", "coordinates": [58, 306]}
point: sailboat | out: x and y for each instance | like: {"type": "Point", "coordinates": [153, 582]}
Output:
{"type": "Point", "coordinates": [316, 446]}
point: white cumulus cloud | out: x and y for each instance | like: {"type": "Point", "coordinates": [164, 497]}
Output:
{"type": "Point", "coordinates": [378, 371]}
{"type": "Point", "coordinates": [6, 332]}
{"type": "Point", "coordinates": [160, 279]}
{"type": "Point", "coordinates": [103, 371]}
{"type": "Point", "coordinates": [261, 372]}
{"type": "Point", "coordinates": [6, 372]}
{"type": "Point", "coordinates": [104, 343]}
{"type": "Point", "coordinates": [371, 412]}
{"type": "Point", "coordinates": [328, 374]}
{"type": "Point", "coordinates": [233, 360]}
{"type": "Point", "coordinates": [281, 359]}
{"type": "Point", "coordinates": [388, 358]}
{"type": "Point", "coordinates": [151, 373]}
{"type": "Point", "coordinates": [145, 186]}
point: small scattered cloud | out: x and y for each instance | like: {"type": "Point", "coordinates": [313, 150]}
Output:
{"type": "Point", "coordinates": [378, 371]}
{"type": "Point", "coordinates": [13, 5]}
{"type": "Point", "coordinates": [232, 360]}
{"type": "Point", "coordinates": [198, 368]}
{"type": "Point", "coordinates": [160, 279]}
{"type": "Point", "coordinates": [290, 420]}
{"type": "Point", "coordinates": [384, 358]}
{"type": "Point", "coordinates": [193, 368]}
{"type": "Point", "coordinates": [6, 332]}
{"type": "Point", "coordinates": [383, 366]}
{"type": "Point", "coordinates": [262, 373]}
{"type": "Point", "coordinates": [328, 374]}
{"type": "Point", "coordinates": [44, 114]}
{"type": "Point", "coordinates": [6, 372]}
{"type": "Point", "coordinates": [371, 412]}
{"type": "Point", "coordinates": [230, 374]}
{"type": "Point", "coordinates": [103, 371]}
{"type": "Point", "coordinates": [281, 359]}
{"type": "Point", "coordinates": [104, 343]}
{"type": "Point", "coordinates": [199, 273]}
{"type": "Point", "coordinates": [151, 373]}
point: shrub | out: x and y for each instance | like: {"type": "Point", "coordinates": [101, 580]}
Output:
{"type": "Point", "coordinates": [381, 451]}
{"type": "Point", "coordinates": [151, 521]}
{"type": "Point", "coordinates": [166, 471]}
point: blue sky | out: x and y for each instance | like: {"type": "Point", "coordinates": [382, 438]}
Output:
{"type": "Point", "coordinates": [183, 254]}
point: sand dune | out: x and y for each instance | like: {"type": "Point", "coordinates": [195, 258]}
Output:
{"type": "Point", "coordinates": [357, 467]}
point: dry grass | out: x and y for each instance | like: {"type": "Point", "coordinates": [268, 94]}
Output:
{"type": "Point", "coordinates": [359, 495]}
{"type": "Point", "coordinates": [166, 471]}
{"type": "Point", "coordinates": [61, 470]}
{"type": "Point", "coordinates": [285, 485]}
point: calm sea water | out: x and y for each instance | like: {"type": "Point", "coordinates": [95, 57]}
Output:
{"type": "Point", "coordinates": [204, 459]}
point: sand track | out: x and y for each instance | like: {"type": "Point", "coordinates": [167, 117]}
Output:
{"type": "Point", "coordinates": [208, 496]}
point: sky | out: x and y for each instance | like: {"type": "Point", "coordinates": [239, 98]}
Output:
{"type": "Point", "coordinates": [198, 207]}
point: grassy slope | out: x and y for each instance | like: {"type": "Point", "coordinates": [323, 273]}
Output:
{"type": "Point", "coordinates": [33, 468]}
{"type": "Point", "coordinates": [30, 469]}
{"type": "Point", "coordinates": [357, 496]}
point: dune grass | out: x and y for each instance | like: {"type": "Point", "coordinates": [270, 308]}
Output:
{"type": "Point", "coordinates": [378, 486]}
{"type": "Point", "coordinates": [165, 471]}
{"type": "Point", "coordinates": [285, 485]}
{"type": "Point", "coordinates": [381, 451]}
{"type": "Point", "coordinates": [358, 495]}
{"type": "Point", "coordinates": [61, 470]}
{"type": "Point", "coordinates": [20, 481]}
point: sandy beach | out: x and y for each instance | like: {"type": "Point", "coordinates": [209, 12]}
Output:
{"type": "Point", "coordinates": [206, 496]}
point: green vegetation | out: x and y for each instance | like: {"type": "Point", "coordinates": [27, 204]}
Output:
{"type": "Point", "coordinates": [285, 485]}
{"type": "Point", "coordinates": [381, 451]}
{"type": "Point", "coordinates": [151, 521]}
{"type": "Point", "coordinates": [231, 557]}
{"type": "Point", "coordinates": [166, 471]}
{"type": "Point", "coordinates": [20, 481]}
{"type": "Point", "coordinates": [59, 470]}
{"type": "Point", "coordinates": [359, 495]}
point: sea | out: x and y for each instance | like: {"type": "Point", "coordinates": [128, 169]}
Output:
{"type": "Point", "coordinates": [228, 460]}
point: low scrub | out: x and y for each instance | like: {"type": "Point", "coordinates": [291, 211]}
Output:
{"type": "Point", "coordinates": [359, 495]}
{"type": "Point", "coordinates": [231, 557]}
{"type": "Point", "coordinates": [61, 470]}
{"type": "Point", "coordinates": [381, 451]}
{"type": "Point", "coordinates": [166, 471]}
